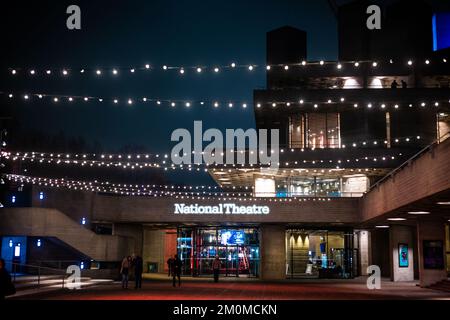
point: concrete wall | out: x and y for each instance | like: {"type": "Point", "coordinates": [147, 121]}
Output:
{"type": "Point", "coordinates": [134, 231]}
{"type": "Point", "coordinates": [74, 204]}
{"type": "Point", "coordinates": [364, 250]}
{"type": "Point", "coordinates": [104, 208]}
{"type": "Point", "coordinates": [153, 248]}
{"type": "Point", "coordinates": [380, 250]}
{"type": "Point", "coordinates": [41, 222]}
{"type": "Point", "coordinates": [430, 230]}
{"type": "Point", "coordinates": [144, 209]}
{"type": "Point", "coordinates": [423, 177]}
{"type": "Point", "coordinates": [273, 252]}
{"type": "Point", "coordinates": [401, 235]}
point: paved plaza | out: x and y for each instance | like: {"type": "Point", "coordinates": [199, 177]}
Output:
{"type": "Point", "coordinates": [159, 287]}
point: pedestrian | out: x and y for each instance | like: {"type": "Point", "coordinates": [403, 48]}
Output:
{"type": "Point", "coordinates": [170, 265]}
{"type": "Point", "coordinates": [394, 84]}
{"type": "Point", "coordinates": [404, 84]}
{"type": "Point", "coordinates": [138, 268]}
{"type": "Point", "coordinates": [176, 270]}
{"type": "Point", "coordinates": [216, 268]}
{"type": "Point", "coordinates": [124, 271]}
{"type": "Point", "coordinates": [6, 286]}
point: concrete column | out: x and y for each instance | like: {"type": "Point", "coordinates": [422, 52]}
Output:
{"type": "Point", "coordinates": [430, 231]}
{"type": "Point", "coordinates": [364, 250]}
{"type": "Point", "coordinates": [273, 252]}
{"type": "Point", "coordinates": [153, 248]}
{"type": "Point", "coordinates": [401, 235]}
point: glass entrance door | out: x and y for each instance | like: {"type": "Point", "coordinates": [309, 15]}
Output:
{"type": "Point", "coordinates": [238, 250]}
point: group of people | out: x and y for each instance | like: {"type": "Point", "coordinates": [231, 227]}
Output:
{"type": "Point", "coordinates": [135, 263]}
{"type": "Point", "coordinates": [394, 84]}
{"type": "Point", "coordinates": [174, 266]}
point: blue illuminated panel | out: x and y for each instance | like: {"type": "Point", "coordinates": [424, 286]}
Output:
{"type": "Point", "coordinates": [441, 31]}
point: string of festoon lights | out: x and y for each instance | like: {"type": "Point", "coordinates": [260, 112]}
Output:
{"type": "Point", "coordinates": [59, 159]}
{"type": "Point", "coordinates": [203, 68]}
{"type": "Point", "coordinates": [150, 189]}
{"type": "Point", "coordinates": [105, 187]}
{"type": "Point", "coordinates": [227, 103]}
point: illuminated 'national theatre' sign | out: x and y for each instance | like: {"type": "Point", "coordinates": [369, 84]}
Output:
{"type": "Point", "coordinates": [221, 208]}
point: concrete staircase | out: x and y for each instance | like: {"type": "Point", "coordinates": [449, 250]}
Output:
{"type": "Point", "coordinates": [443, 285]}
{"type": "Point", "coordinates": [43, 222]}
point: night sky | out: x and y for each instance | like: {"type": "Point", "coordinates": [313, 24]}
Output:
{"type": "Point", "coordinates": [133, 33]}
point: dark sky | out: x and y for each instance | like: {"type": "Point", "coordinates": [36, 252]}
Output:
{"type": "Point", "coordinates": [132, 33]}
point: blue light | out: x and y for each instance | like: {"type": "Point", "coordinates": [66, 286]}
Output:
{"type": "Point", "coordinates": [38, 243]}
{"type": "Point", "coordinates": [434, 33]}
{"type": "Point", "coordinates": [13, 199]}
{"type": "Point", "coordinates": [10, 243]}
{"type": "Point", "coordinates": [441, 30]}
{"type": "Point", "coordinates": [83, 221]}
{"type": "Point", "coordinates": [41, 195]}
{"type": "Point", "coordinates": [82, 265]}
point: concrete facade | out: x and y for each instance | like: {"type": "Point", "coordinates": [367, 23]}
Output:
{"type": "Point", "coordinates": [273, 252]}
{"type": "Point", "coordinates": [153, 248]}
{"type": "Point", "coordinates": [401, 235]}
{"type": "Point", "coordinates": [364, 247]}
{"type": "Point", "coordinates": [41, 222]}
{"type": "Point", "coordinates": [430, 231]}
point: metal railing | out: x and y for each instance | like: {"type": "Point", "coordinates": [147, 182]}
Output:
{"type": "Point", "coordinates": [410, 160]}
{"type": "Point", "coordinates": [32, 270]}
{"type": "Point", "coordinates": [283, 194]}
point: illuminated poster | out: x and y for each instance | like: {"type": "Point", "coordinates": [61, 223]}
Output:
{"type": "Point", "coordinates": [433, 254]}
{"type": "Point", "coordinates": [232, 237]}
{"type": "Point", "coordinates": [403, 258]}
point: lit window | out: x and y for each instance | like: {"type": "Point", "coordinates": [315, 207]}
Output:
{"type": "Point", "coordinates": [17, 250]}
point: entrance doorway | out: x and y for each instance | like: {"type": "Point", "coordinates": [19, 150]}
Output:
{"type": "Point", "coordinates": [237, 249]}
{"type": "Point", "coordinates": [320, 254]}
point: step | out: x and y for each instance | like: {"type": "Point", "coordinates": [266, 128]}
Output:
{"type": "Point", "coordinates": [56, 287]}
{"type": "Point", "coordinates": [44, 282]}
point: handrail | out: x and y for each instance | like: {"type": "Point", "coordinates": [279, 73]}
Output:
{"type": "Point", "coordinates": [407, 162]}
{"type": "Point", "coordinates": [56, 272]}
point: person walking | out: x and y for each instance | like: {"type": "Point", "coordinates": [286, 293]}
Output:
{"type": "Point", "coordinates": [176, 270]}
{"type": "Point", "coordinates": [170, 265]}
{"type": "Point", "coordinates": [216, 268]}
{"type": "Point", "coordinates": [124, 271]}
{"type": "Point", "coordinates": [138, 268]}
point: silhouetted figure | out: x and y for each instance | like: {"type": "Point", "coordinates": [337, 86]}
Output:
{"type": "Point", "coordinates": [176, 270]}
{"type": "Point", "coordinates": [6, 286]}
{"type": "Point", "coordinates": [404, 84]}
{"type": "Point", "coordinates": [124, 270]}
{"type": "Point", "coordinates": [216, 268]}
{"type": "Point", "coordinates": [169, 265]}
{"type": "Point", "coordinates": [138, 268]}
{"type": "Point", "coordinates": [394, 84]}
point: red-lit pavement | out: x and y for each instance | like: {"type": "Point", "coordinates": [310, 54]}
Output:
{"type": "Point", "coordinates": [239, 289]}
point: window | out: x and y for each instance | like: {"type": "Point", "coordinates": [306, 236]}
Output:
{"type": "Point", "coordinates": [314, 130]}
